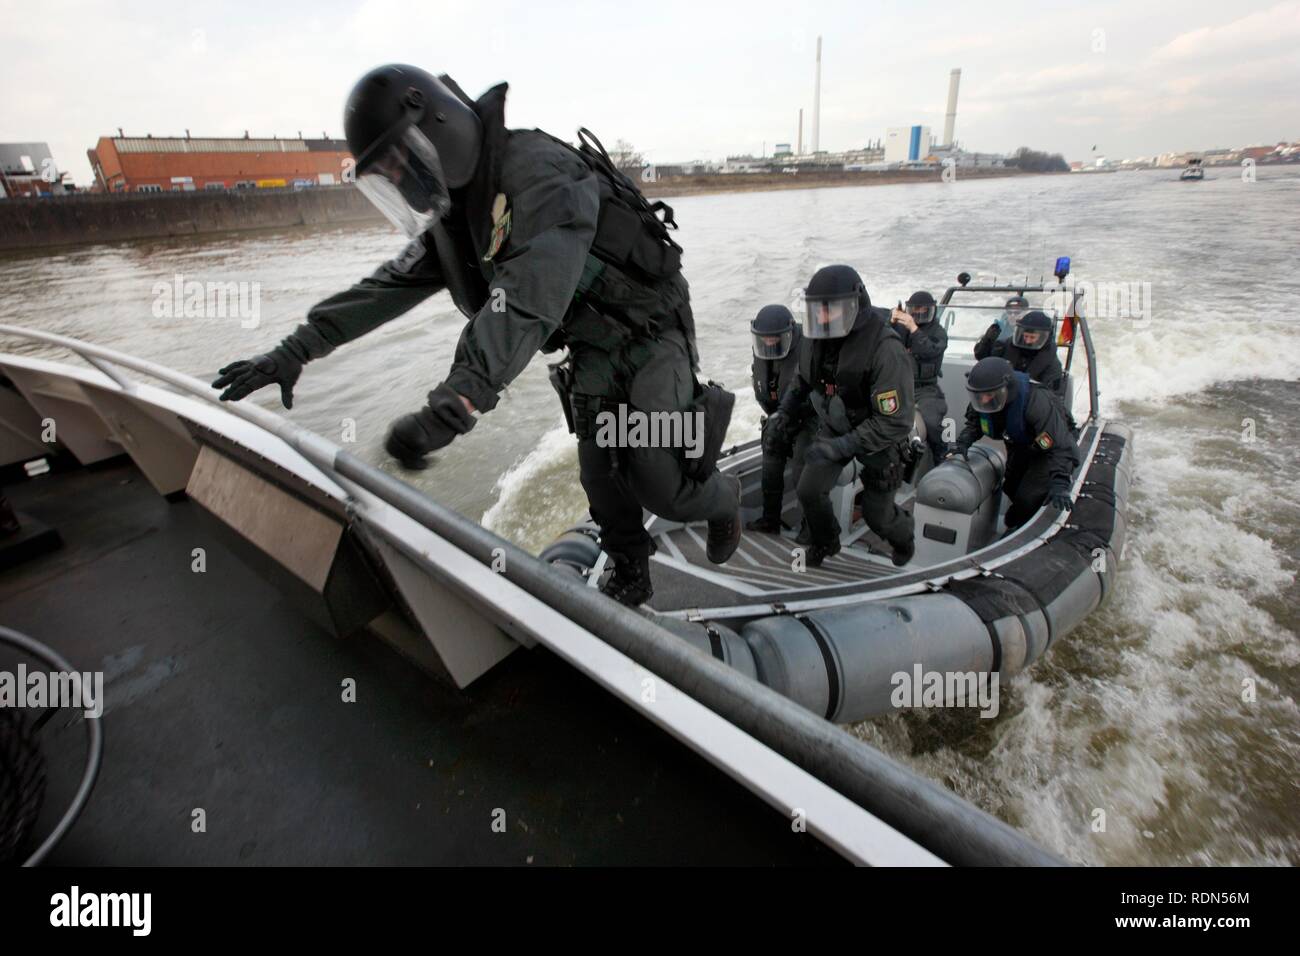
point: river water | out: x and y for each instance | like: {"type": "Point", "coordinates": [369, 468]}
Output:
{"type": "Point", "coordinates": [1145, 713]}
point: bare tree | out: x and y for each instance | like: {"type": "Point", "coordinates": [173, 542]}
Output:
{"type": "Point", "coordinates": [626, 158]}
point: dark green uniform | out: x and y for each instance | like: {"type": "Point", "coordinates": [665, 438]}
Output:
{"type": "Point", "coordinates": [927, 345]}
{"type": "Point", "coordinates": [859, 386]}
{"type": "Point", "coordinates": [535, 263]}
{"type": "Point", "coordinates": [771, 379]}
{"type": "Point", "coordinates": [1042, 365]}
{"type": "Point", "coordinates": [1041, 451]}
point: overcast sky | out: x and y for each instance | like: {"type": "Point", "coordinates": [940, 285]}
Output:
{"type": "Point", "coordinates": [679, 80]}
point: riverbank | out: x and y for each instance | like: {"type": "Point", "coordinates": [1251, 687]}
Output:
{"type": "Point", "coordinates": [83, 219]}
{"type": "Point", "coordinates": [707, 184]}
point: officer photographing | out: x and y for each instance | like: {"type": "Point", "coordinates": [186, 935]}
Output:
{"type": "Point", "coordinates": [776, 339]}
{"type": "Point", "coordinates": [926, 340]}
{"type": "Point", "coordinates": [857, 375]}
{"type": "Point", "coordinates": [542, 246]}
{"type": "Point", "coordinates": [1027, 349]}
{"type": "Point", "coordinates": [1041, 450]}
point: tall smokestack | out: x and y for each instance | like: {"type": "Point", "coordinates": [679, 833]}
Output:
{"type": "Point", "coordinates": [799, 151]}
{"type": "Point", "coordinates": [817, 100]}
{"type": "Point", "coordinates": [950, 121]}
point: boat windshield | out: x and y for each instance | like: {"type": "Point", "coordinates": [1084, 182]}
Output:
{"type": "Point", "coordinates": [968, 315]}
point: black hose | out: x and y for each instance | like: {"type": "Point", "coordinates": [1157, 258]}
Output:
{"type": "Point", "coordinates": [94, 750]}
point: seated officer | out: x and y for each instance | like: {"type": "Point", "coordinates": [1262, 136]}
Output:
{"type": "Point", "coordinates": [1029, 349]}
{"type": "Point", "coordinates": [927, 340]}
{"type": "Point", "coordinates": [776, 363]}
{"type": "Point", "coordinates": [857, 375]}
{"type": "Point", "coordinates": [1041, 451]}
{"type": "Point", "coordinates": [1000, 330]}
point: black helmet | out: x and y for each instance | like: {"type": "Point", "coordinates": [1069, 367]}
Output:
{"type": "Point", "coordinates": [921, 306]}
{"type": "Point", "coordinates": [414, 139]}
{"type": "Point", "coordinates": [1033, 331]}
{"type": "Point", "coordinates": [991, 384]}
{"type": "Point", "coordinates": [834, 297]}
{"type": "Point", "coordinates": [773, 330]}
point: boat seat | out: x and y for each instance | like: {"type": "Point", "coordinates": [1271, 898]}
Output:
{"type": "Point", "coordinates": [957, 503]}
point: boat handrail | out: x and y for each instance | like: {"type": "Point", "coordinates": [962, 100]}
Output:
{"type": "Point", "coordinates": [924, 811]}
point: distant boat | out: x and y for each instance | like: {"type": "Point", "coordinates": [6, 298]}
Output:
{"type": "Point", "coordinates": [1194, 171]}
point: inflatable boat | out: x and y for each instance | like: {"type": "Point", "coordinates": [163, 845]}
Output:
{"type": "Point", "coordinates": [853, 638]}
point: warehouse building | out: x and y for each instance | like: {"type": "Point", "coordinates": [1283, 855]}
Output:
{"type": "Point", "coordinates": [143, 164]}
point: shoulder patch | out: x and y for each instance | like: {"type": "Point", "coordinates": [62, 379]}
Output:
{"type": "Point", "coordinates": [887, 402]}
{"type": "Point", "coordinates": [1044, 441]}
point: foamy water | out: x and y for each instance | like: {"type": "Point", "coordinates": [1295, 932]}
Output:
{"type": "Point", "coordinates": [1139, 713]}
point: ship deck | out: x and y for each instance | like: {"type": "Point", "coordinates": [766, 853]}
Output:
{"type": "Point", "coordinates": [221, 696]}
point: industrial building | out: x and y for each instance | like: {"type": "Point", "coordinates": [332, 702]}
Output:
{"type": "Point", "coordinates": [907, 144]}
{"type": "Point", "coordinates": [141, 164]}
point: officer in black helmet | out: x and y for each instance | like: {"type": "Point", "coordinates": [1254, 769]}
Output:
{"type": "Point", "coordinates": [1041, 451]}
{"type": "Point", "coordinates": [855, 372]}
{"type": "Point", "coordinates": [776, 340]}
{"type": "Point", "coordinates": [1029, 348]}
{"type": "Point", "coordinates": [1000, 330]}
{"type": "Point", "coordinates": [542, 246]}
{"type": "Point", "coordinates": [927, 340]}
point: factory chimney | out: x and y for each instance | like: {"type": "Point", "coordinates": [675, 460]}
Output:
{"type": "Point", "coordinates": [799, 151]}
{"type": "Point", "coordinates": [950, 121]}
{"type": "Point", "coordinates": [817, 100]}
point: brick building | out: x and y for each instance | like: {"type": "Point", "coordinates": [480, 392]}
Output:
{"type": "Point", "coordinates": [183, 164]}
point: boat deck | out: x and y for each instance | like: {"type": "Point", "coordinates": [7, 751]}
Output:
{"type": "Point", "coordinates": [221, 696]}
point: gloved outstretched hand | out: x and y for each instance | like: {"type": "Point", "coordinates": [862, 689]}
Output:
{"type": "Point", "coordinates": [830, 450]}
{"type": "Point", "coordinates": [411, 437]}
{"type": "Point", "coordinates": [1058, 496]}
{"type": "Point", "coordinates": [276, 367]}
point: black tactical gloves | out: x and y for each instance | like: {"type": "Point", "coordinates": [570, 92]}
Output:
{"type": "Point", "coordinates": [831, 449]}
{"type": "Point", "coordinates": [1058, 496]}
{"type": "Point", "coordinates": [280, 366]}
{"type": "Point", "coordinates": [411, 437]}
{"type": "Point", "coordinates": [775, 440]}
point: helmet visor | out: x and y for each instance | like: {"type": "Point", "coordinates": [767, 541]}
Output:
{"type": "Point", "coordinates": [921, 314]}
{"type": "Point", "coordinates": [405, 182]}
{"type": "Point", "coordinates": [830, 318]}
{"type": "Point", "coordinates": [990, 402]}
{"type": "Point", "coordinates": [1032, 339]}
{"type": "Point", "coordinates": [773, 345]}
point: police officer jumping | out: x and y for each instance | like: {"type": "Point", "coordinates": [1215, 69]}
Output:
{"type": "Point", "coordinates": [857, 375]}
{"type": "Point", "coordinates": [927, 340]}
{"type": "Point", "coordinates": [1026, 349]}
{"type": "Point", "coordinates": [541, 246]}
{"type": "Point", "coordinates": [776, 338]}
{"type": "Point", "coordinates": [1041, 450]}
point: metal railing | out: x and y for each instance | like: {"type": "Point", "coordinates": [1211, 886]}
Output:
{"type": "Point", "coordinates": [922, 810]}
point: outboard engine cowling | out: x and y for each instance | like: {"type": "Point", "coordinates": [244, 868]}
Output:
{"type": "Point", "coordinates": [957, 505]}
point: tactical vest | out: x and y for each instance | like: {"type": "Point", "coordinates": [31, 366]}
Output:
{"type": "Point", "coordinates": [1033, 362]}
{"type": "Point", "coordinates": [927, 370]}
{"type": "Point", "coordinates": [1014, 427]}
{"type": "Point", "coordinates": [773, 376]}
{"type": "Point", "coordinates": [849, 379]}
{"type": "Point", "coordinates": [631, 284]}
